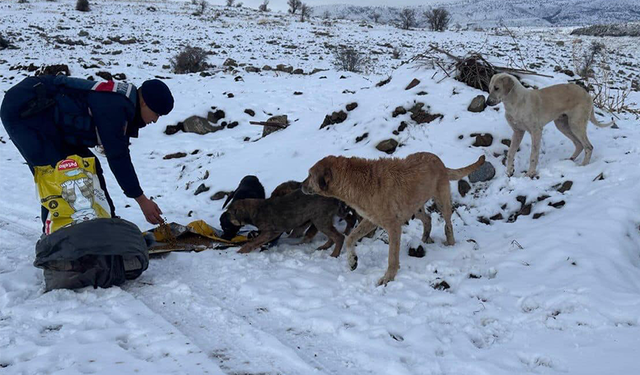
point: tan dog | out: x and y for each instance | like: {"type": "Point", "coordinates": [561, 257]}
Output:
{"type": "Point", "coordinates": [387, 193]}
{"type": "Point", "coordinates": [568, 105]}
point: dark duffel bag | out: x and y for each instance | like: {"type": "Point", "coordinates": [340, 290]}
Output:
{"type": "Point", "coordinates": [98, 253]}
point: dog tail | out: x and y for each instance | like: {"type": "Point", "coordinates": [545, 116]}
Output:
{"type": "Point", "coordinates": [456, 174]}
{"type": "Point", "coordinates": [598, 123]}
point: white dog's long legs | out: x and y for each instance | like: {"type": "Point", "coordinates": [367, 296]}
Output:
{"type": "Point", "coordinates": [536, 138]}
{"type": "Point", "coordinates": [516, 139]}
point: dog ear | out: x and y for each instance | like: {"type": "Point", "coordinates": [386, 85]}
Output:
{"type": "Point", "coordinates": [325, 179]}
{"type": "Point", "coordinates": [507, 84]}
{"type": "Point", "coordinates": [229, 198]}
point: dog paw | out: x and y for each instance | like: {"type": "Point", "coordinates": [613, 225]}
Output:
{"type": "Point", "coordinates": [335, 254]}
{"type": "Point", "coordinates": [428, 240]}
{"type": "Point", "coordinates": [385, 279]}
{"type": "Point", "coordinates": [244, 250]}
{"type": "Point", "coordinates": [353, 263]}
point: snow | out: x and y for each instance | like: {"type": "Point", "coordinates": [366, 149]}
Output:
{"type": "Point", "coordinates": [556, 295]}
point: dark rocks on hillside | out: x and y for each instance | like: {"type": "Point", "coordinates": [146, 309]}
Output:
{"type": "Point", "coordinates": [105, 75]}
{"type": "Point", "coordinates": [388, 146]}
{"type": "Point", "coordinates": [173, 129]}
{"type": "Point", "coordinates": [400, 110]}
{"type": "Point", "coordinates": [351, 106]}
{"type": "Point", "coordinates": [334, 118]}
{"type": "Point", "coordinates": [478, 104]}
{"type": "Point", "coordinates": [216, 116]}
{"type": "Point", "coordinates": [201, 189]}
{"type": "Point", "coordinates": [219, 195]}
{"type": "Point", "coordinates": [485, 173]}
{"type": "Point", "coordinates": [419, 115]}
{"type": "Point", "coordinates": [482, 140]}
{"type": "Point", "coordinates": [282, 120]}
{"type": "Point", "coordinates": [199, 125]}
{"type": "Point", "coordinates": [175, 155]}
{"type": "Point", "coordinates": [250, 112]}
{"type": "Point", "coordinates": [362, 137]}
{"type": "Point", "coordinates": [463, 187]}
{"type": "Point", "coordinates": [566, 186]}
{"type": "Point", "coordinates": [418, 252]}
{"type": "Point", "coordinates": [415, 82]}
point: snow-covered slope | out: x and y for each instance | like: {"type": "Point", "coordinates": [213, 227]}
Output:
{"type": "Point", "coordinates": [558, 294]}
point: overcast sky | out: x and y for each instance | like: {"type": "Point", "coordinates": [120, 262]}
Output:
{"type": "Point", "coordinates": [282, 4]}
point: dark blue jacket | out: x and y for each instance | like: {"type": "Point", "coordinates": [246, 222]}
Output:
{"type": "Point", "coordinates": [81, 116]}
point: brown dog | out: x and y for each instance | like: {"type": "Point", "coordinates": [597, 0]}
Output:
{"type": "Point", "coordinates": [277, 215]}
{"type": "Point", "coordinates": [387, 193]}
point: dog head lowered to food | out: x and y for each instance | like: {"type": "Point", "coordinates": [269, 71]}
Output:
{"type": "Point", "coordinates": [249, 187]}
{"type": "Point", "coordinates": [500, 86]}
{"type": "Point", "coordinates": [240, 212]}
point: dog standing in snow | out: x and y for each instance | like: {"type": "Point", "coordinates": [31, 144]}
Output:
{"type": "Point", "coordinates": [568, 105]}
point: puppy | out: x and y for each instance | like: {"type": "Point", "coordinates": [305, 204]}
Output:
{"type": "Point", "coordinates": [309, 230]}
{"type": "Point", "coordinates": [249, 187]}
{"type": "Point", "coordinates": [277, 215]}
{"type": "Point", "coordinates": [387, 193]}
{"type": "Point", "coordinates": [569, 106]}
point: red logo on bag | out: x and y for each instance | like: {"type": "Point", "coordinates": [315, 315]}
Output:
{"type": "Point", "coordinates": [67, 164]}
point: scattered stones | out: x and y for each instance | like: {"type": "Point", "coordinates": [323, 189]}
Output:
{"type": "Point", "coordinates": [120, 76]}
{"type": "Point", "coordinates": [250, 112]}
{"type": "Point", "coordinates": [399, 111]}
{"type": "Point", "coordinates": [566, 186]}
{"type": "Point", "coordinates": [175, 155]}
{"type": "Point", "coordinates": [282, 119]}
{"type": "Point", "coordinates": [334, 118]}
{"type": "Point", "coordinates": [538, 215]}
{"type": "Point", "coordinates": [252, 69]}
{"type": "Point", "coordinates": [421, 116]}
{"type": "Point", "coordinates": [559, 204]}
{"type": "Point", "coordinates": [199, 125]}
{"type": "Point", "coordinates": [351, 106]}
{"type": "Point", "coordinates": [485, 173]}
{"type": "Point", "coordinates": [230, 63]}
{"type": "Point", "coordinates": [383, 82]}
{"type": "Point", "coordinates": [389, 146]}
{"type": "Point", "coordinates": [61, 69]}
{"type": "Point", "coordinates": [105, 75]}
{"type": "Point", "coordinates": [297, 93]}
{"type": "Point", "coordinates": [506, 142]}
{"type": "Point", "coordinates": [497, 216]}
{"type": "Point", "coordinates": [478, 104]}
{"type": "Point", "coordinates": [298, 71]}
{"type": "Point", "coordinates": [362, 137]}
{"type": "Point", "coordinates": [201, 189]}
{"type": "Point", "coordinates": [216, 116]}
{"type": "Point", "coordinates": [173, 129]}
{"type": "Point", "coordinates": [463, 187]}
{"type": "Point", "coordinates": [482, 140]}
{"type": "Point", "coordinates": [415, 82]}
{"type": "Point", "coordinates": [219, 195]}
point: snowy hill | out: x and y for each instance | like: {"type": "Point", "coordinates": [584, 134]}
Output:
{"type": "Point", "coordinates": [542, 280]}
{"type": "Point", "coordinates": [488, 13]}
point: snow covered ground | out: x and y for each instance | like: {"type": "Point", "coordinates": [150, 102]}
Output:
{"type": "Point", "coordinates": [559, 294]}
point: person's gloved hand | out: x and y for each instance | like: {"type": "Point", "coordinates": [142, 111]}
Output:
{"type": "Point", "coordinates": [150, 210]}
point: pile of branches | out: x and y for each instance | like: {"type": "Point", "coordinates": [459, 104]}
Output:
{"type": "Point", "coordinates": [472, 69]}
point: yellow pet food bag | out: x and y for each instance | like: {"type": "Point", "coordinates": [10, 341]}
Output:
{"type": "Point", "coordinates": [71, 192]}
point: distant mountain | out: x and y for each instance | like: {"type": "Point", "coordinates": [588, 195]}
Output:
{"type": "Point", "coordinates": [487, 13]}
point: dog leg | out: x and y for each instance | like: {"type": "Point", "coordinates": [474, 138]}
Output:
{"type": "Point", "coordinates": [536, 138]}
{"type": "Point", "coordinates": [334, 237]}
{"type": "Point", "coordinates": [579, 128]}
{"type": "Point", "coordinates": [311, 232]}
{"type": "Point", "coordinates": [516, 139]}
{"type": "Point", "coordinates": [363, 228]}
{"type": "Point", "coordinates": [562, 123]}
{"type": "Point", "coordinates": [394, 233]}
{"type": "Point", "coordinates": [262, 239]}
{"type": "Point", "coordinates": [443, 201]}
{"type": "Point", "coordinates": [326, 245]}
{"type": "Point", "coordinates": [426, 225]}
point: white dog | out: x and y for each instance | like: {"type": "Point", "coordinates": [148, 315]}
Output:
{"type": "Point", "coordinates": [568, 105]}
